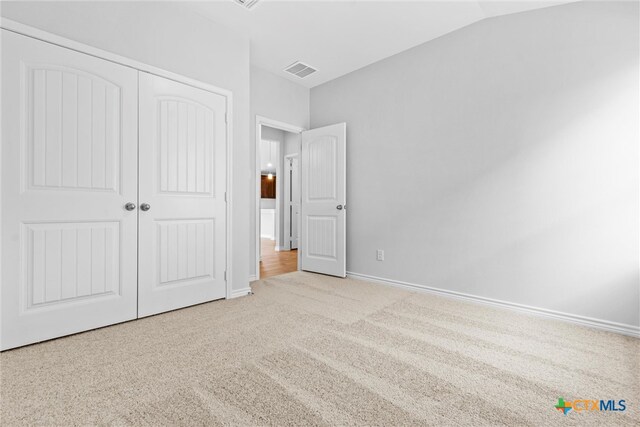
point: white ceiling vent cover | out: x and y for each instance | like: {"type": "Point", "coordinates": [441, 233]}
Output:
{"type": "Point", "coordinates": [247, 4]}
{"type": "Point", "coordinates": [300, 69]}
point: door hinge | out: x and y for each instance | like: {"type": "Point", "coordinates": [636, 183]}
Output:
{"type": "Point", "coordinates": [225, 275]}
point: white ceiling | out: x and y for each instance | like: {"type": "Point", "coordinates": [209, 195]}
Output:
{"type": "Point", "coordinates": [340, 36]}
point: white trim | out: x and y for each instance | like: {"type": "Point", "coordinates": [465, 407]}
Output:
{"type": "Point", "coordinates": [25, 30]}
{"type": "Point", "coordinates": [260, 120]}
{"type": "Point", "coordinates": [605, 325]}
{"type": "Point", "coordinates": [279, 183]}
{"type": "Point", "coordinates": [1, 145]}
{"type": "Point", "coordinates": [287, 202]}
{"type": "Point", "coordinates": [278, 125]}
{"type": "Point", "coordinates": [252, 278]}
{"type": "Point", "coordinates": [229, 196]}
{"type": "Point", "coordinates": [240, 293]}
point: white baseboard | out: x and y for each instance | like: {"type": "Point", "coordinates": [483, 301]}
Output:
{"type": "Point", "coordinates": [240, 293]}
{"type": "Point", "coordinates": [604, 325]}
{"type": "Point", "coordinates": [281, 248]}
{"type": "Point", "coordinates": [252, 278]}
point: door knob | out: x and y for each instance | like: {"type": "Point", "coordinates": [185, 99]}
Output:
{"type": "Point", "coordinates": [145, 207]}
{"type": "Point", "coordinates": [130, 206]}
{"type": "Point", "coordinates": [339, 207]}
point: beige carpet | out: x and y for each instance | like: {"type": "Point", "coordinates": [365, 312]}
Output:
{"type": "Point", "coordinates": [313, 350]}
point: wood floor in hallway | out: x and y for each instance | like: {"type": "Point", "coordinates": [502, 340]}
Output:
{"type": "Point", "coordinates": [275, 262]}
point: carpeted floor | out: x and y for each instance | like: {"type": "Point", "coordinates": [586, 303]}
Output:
{"type": "Point", "coordinates": [314, 350]}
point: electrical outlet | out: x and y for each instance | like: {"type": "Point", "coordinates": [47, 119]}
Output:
{"type": "Point", "coordinates": [380, 255]}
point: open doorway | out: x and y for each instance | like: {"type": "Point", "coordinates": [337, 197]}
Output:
{"type": "Point", "coordinates": [319, 201]}
{"type": "Point", "coordinates": [278, 197]}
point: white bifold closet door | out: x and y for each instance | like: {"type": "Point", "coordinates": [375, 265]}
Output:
{"type": "Point", "coordinates": [69, 167]}
{"type": "Point", "coordinates": [113, 193]}
{"type": "Point", "coordinates": [182, 239]}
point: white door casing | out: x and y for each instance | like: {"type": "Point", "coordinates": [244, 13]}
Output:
{"type": "Point", "coordinates": [260, 122]}
{"type": "Point", "coordinates": [292, 201]}
{"type": "Point", "coordinates": [323, 209]}
{"type": "Point", "coordinates": [69, 166]}
{"type": "Point", "coordinates": [295, 203]}
{"type": "Point", "coordinates": [182, 237]}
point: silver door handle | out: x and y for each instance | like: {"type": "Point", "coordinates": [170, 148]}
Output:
{"type": "Point", "coordinates": [145, 207]}
{"type": "Point", "coordinates": [339, 207]}
{"type": "Point", "coordinates": [130, 206]}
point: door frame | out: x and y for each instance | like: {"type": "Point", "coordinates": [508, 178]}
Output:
{"type": "Point", "coordinates": [260, 121]}
{"type": "Point", "coordinates": [35, 33]}
{"type": "Point", "coordinates": [287, 184]}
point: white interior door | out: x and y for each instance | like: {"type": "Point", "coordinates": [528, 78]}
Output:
{"type": "Point", "coordinates": [69, 167]}
{"type": "Point", "coordinates": [182, 253]}
{"type": "Point", "coordinates": [323, 210]}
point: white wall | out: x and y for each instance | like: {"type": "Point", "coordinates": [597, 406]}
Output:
{"type": "Point", "coordinates": [278, 99]}
{"type": "Point", "coordinates": [268, 224]}
{"type": "Point", "coordinates": [291, 143]}
{"type": "Point", "coordinates": [166, 35]}
{"type": "Point", "coordinates": [269, 204]}
{"type": "Point", "coordinates": [501, 160]}
{"type": "Point", "coordinates": [271, 134]}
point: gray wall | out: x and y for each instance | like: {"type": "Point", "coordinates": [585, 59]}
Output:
{"type": "Point", "coordinates": [275, 98]}
{"type": "Point", "coordinates": [170, 37]}
{"type": "Point", "coordinates": [501, 160]}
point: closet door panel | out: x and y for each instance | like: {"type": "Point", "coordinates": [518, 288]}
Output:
{"type": "Point", "coordinates": [69, 166]}
{"type": "Point", "coordinates": [182, 178]}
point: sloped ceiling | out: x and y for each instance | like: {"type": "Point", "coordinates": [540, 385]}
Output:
{"type": "Point", "coordinates": [338, 37]}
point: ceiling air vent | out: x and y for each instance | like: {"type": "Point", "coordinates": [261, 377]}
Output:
{"type": "Point", "coordinates": [247, 4]}
{"type": "Point", "coordinates": [300, 69]}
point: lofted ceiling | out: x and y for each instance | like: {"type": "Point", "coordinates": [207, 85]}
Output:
{"type": "Point", "coordinates": [338, 37]}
